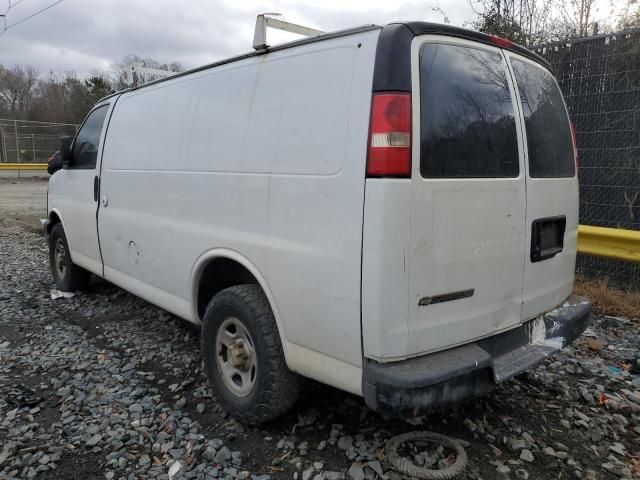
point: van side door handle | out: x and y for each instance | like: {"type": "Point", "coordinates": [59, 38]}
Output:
{"type": "Point", "coordinates": [96, 188]}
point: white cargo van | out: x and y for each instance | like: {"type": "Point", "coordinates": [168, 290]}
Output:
{"type": "Point", "coordinates": [390, 210]}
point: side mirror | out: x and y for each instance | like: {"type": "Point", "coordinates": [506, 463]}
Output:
{"type": "Point", "coordinates": [54, 163]}
{"type": "Point", "coordinates": [65, 151]}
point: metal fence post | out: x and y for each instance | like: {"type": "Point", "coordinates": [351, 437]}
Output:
{"type": "Point", "coordinates": [33, 147]}
{"type": "Point", "coordinates": [4, 145]}
{"type": "Point", "coordinates": [15, 129]}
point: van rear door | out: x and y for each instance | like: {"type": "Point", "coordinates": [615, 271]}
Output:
{"type": "Point", "coordinates": [468, 195]}
{"type": "Point", "coordinates": [552, 189]}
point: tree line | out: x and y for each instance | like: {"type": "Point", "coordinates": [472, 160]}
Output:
{"type": "Point", "coordinates": [26, 94]}
{"type": "Point", "coordinates": [537, 22]}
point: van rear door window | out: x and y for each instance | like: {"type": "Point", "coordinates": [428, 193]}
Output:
{"type": "Point", "coordinates": [547, 125]}
{"type": "Point", "coordinates": [468, 127]}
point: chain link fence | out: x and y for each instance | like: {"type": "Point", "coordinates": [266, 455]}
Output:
{"type": "Point", "coordinates": [600, 79]}
{"type": "Point", "coordinates": [25, 141]}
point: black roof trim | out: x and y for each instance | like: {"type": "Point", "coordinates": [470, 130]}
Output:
{"type": "Point", "coordinates": [275, 48]}
{"type": "Point", "coordinates": [423, 28]}
{"type": "Point", "coordinates": [393, 56]}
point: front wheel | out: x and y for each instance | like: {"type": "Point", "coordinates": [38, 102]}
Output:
{"type": "Point", "coordinates": [68, 276]}
{"type": "Point", "coordinates": [243, 356]}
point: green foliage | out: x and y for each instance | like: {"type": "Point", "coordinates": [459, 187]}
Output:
{"type": "Point", "coordinates": [98, 87]}
{"type": "Point", "coordinates": [495, 23]}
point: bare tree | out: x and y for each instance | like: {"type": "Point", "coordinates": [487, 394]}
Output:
{"type": "Point", "coordinates": [577, 18]}
{"type": "Point", "coordinates": [630, 15]}
{"type": "Point", "coordinates": [62, 97]}
{"type": "Point", "coordinates": [17, 85]}
{"type": "Point", "coordinates": [533, 22]}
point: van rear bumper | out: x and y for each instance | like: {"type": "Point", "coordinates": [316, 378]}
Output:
{"type": "Point", "coordinates": [422, 385]}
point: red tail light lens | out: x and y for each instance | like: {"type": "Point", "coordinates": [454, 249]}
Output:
{"type": "Point", "coordinates": [390, 136]}
{"type": "Point", "coordinates": [575, 145]}
{"type": "Point", "coordinates": [500, 42]}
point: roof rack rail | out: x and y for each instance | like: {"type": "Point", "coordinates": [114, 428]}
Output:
{"type": "Point", "coordinates": [263, 21]}
{"type": "Point", "coordinates": [137, 68]}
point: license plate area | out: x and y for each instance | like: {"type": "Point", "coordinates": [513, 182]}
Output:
{"type": "Point", "coordinates": [547, 237]}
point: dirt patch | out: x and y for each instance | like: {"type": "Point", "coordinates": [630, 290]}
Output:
{"type": "Point", "coordinates": [23, 202]}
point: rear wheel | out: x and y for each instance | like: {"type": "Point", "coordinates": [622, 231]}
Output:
{"type": "Point", "coordinates": [243, 356]}
{"type": "Point", "coordinates": [67, 275]}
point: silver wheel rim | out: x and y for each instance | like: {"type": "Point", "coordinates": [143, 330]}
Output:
{"type": "Point", "coordinates": [60, 258]}
{"type": "Point", "coordinates": [236, 357]}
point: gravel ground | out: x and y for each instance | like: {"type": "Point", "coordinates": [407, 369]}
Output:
{"type": "Point", "coordinates": [124, 396]}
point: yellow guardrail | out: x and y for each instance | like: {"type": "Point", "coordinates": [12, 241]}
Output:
{"type": "Point", "coordinates": [23, 166]}
{"type": "Point", "coordinates": [609, 242]}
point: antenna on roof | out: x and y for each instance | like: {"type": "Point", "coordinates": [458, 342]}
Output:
{"type": "Point", "coordinates": [263, 21]}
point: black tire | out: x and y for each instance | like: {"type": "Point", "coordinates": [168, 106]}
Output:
{"type": "Point", "coordinates": [72, 277]}
{"type": "Point", "coordinates": [276, 388]}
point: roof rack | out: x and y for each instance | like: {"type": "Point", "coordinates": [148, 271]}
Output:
{"type": "Point", "coordinates": [263, 21]}
{"type": "Point", "coordinates": [135, 69]}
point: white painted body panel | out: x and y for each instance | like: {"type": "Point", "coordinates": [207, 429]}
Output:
{"type": "Point", "coordinates": [428, 236]}
{"type": "Point", "coordinates": [386, 251]}
{"type": "Point", "coordinates": [262, 161]}
{"type": "Point", "coordinates": [548, 283]}
{"type": "Point", "coordinates": [466, 233]}
{"type": "Point", "coordinates": [72, 193]}
{"type": "Point", "coordinates": [264, 157]}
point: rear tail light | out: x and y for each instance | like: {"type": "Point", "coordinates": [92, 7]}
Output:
{"type": "Point", "coordinates": [389, 152]}
{"type": "Point", "coordinates": [575, 145]}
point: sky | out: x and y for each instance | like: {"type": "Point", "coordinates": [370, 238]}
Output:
{"type": "Point", "coordinates": [89, 35]}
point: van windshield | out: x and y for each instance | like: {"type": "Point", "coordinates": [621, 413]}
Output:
{"type": "Point", "coordinates": [547, 125]}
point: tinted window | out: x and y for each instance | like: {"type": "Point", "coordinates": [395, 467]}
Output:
{"type": "Point", "coordinates": [85, 146]}
{"type": "Point", "coordinates": [547, 126]}
{"type": "Point", "coordinates": [467, 120]}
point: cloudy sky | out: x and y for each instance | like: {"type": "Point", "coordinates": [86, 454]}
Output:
{"type": "Point", "coordinates": [84, 35]}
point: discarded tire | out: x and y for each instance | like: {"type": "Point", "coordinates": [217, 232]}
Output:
{"type": "Point", "coordinates": [406, 466]}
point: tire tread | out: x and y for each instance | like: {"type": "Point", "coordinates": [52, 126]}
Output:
{"type": "Point", "coordinates": [284, 385]}
{"type": "Point", "coordinates": [76, 277]}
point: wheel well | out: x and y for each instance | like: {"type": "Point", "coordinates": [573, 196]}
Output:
{"type": "Point", "coordinates": [53, 219]}
{"type": "Point", "coordinates": [219, 274]}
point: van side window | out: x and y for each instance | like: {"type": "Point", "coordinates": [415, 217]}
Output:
{"type": "Point", "coordinates": [547, 125]}
{"type": "Point", "coordinates": [467, 120]}
{"type": "Point", "coordinates": [85, 146]}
